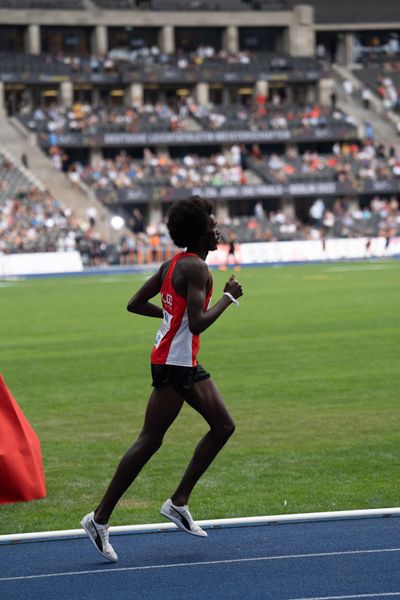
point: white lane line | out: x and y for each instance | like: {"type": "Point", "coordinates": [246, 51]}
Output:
{"type": "Point", "coordinates": [213, 523]}
{"type": "Point", "coordinates": [382, 595]}
{"type": "Point", "coordinates": [349, 268]}
{"type": "Point", "coordinates": [202, 563]}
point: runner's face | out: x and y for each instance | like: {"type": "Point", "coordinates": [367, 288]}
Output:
{"type": "Point", "coordinates": [212, 234]}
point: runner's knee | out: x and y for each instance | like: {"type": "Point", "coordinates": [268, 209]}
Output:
{"type": "Point", "coordinates": [225, 429]}
{"type": "Point", "coordinates": [150, 440]}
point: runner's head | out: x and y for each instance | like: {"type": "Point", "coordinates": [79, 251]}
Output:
{"type": "Point", "coordinates": [191, 224]}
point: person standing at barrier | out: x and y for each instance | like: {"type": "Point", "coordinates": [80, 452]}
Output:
{"type": "Point", "coordinates": [185, 285]}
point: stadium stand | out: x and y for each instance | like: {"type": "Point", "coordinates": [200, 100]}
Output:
{"type": "Point", "coordinates": [349, 162]}
{"type": "Point", "coordinates": [33, 64]}
{"type": "Point", "coordinates": [90, 120]}
{"type": "Point", "coordinates": [160, 117]}
{"type": "Point", "coordinates": [11, 179]}
{"type": "Point", "coordinates": [31, 220]}
{"type": "Point", "coordinates": [269, 116]}
{"type": "Point", "coordinates": [125, 172]}
{"type": "Point", "coordinates": [138, 116]}
{"type": "Point", "coordinates": [385, 82]}
{"type": "Point", "coordinates": [339, 220]}
{"type": "Point", "coordinates": [204, 64]}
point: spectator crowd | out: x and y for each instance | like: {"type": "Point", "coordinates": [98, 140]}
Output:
{"type": "Point", "coordinates": [273, 114]}
{"type": "Point", "coordinates": [31, 220]}
{"type": "Point", "coordinates": [124, 172]}
{"type": "Point", "coordinates": [90, 120]}
{"type": "Point", "coordinates": [348, 163]}
{"type": "Point", "coordinates": [188, 115]}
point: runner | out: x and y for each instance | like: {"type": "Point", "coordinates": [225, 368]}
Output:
{"type": "Point", "coordinates": [185, 284]}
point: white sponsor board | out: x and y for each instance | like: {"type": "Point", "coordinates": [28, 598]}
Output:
{"type": "Point", "coordinates": [40, 263]}
{"type": "Point", "coordinates": [304, 251]}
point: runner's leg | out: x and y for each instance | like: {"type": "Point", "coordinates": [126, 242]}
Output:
{"type": "Point", "coordinates": [163, 408]}
{"type": "Point", "coordinates": [207, 400]}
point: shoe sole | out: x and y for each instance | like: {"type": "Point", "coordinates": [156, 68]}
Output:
{"type": "Point", "coordinates": [180, 525]}
{"type": "Point", "coordinates": [83, 523]}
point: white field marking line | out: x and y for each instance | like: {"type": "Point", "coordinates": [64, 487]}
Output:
{"type": "Point", "coordinates": [380, 595]}
{"type": "Point", "coordinates": [360, 268]}
{"type": "Point", "coordinates": [95, 279]}
{"type": "Point", "coordinates": [203, 563]}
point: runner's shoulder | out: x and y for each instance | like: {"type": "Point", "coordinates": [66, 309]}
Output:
{"type": "Point", "coordinates": [163, 269]}
{"type": "Point", "coordinates": [194, 267]}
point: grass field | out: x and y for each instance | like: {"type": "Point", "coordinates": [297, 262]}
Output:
{"type": "Point", "coordinates": [309, 366]}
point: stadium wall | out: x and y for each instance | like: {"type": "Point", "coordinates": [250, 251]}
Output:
{"type": "Point", "coordinates": [40, 263]}
{"type": "Point", "coordinates": [15, 265]}
{"type": "Point", "coordinates": [308, 251]}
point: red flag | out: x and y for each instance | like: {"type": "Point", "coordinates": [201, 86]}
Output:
{"type": "Point", "coordinates": [21, 467]}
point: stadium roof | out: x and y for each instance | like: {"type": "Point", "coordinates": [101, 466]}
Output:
{"type": "Point", "coordinates": [326, 13]}
{"type": "Point", "coordinates": [353, 11]}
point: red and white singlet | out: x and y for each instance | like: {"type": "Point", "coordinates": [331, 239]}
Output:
{"type": "Point", "coordinates": [175, 344]}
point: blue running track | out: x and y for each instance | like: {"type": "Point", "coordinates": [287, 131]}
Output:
{"type": "Point", "coordinates": [330, 559]}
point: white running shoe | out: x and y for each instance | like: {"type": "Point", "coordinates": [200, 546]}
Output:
{"type": "Point", "coordinates": [181, 516]}
{"type": "Point", "coordinates": [99, 536]}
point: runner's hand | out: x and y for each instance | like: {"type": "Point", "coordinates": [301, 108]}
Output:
{"type": "Point", "coordinates": [233, 287]}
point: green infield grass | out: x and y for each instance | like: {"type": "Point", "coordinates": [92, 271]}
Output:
{"type": "Point", "coordinates": [308, 365]}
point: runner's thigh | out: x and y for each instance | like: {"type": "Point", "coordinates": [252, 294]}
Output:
{"type": "Point", "coordinates": [205, 397]}
{"type": "Point", "coordinates": [162, 409]}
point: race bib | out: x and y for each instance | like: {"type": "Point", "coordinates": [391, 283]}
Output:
{"type": "Point", "coordinates": [164, 328]}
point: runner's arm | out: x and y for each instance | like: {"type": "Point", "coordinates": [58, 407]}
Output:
{"type": "Point", "coordinates": [139, 303]}
{"type": "Point", "coordinates": [200, 318]}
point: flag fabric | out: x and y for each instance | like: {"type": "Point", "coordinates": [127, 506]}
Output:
{"type": "Point", "coordinates": [21, 468]}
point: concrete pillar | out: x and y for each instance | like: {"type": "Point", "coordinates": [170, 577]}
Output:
{"type": "Point", "coordinates": [349, 48]}
{"type": "Point", "coordinates": [134, 94]}
{"type": "Point", "coordinates": [99, 40]}
{"type": "Point", "coordinates": [311, 95]}
{"type": "Point", "coordinates": [226, 99]}
{"type": "Point", "coordinates": [2, 100]}
{"type": "Point", "coordinates": [95, 154]}
{"type": "Point", "coordinates": [33, 43]}
{"type": "Point", "coordinates": [301, 31]}
{"type": "Point", "coordinates": [291, 149]}
{"type": "Point", "coordinates": [282, 42]}
{"type": "Point", "coordinates": [341, 51]}
{"type": "Point", "coordinates": [167, 39]}
{"type": "Point", "coordinates": [288, 205]}
{"type": "Point", "coordinates": [155, 214]}
{"type": "Point", "coordinates": [202, 93]}
{"type": "Point", "coordinates": [325, 88]}
{"type": "Point", "coordinates": [283, 45]}
{"type": "Point", "coordinates": [221, 210]}
{"type": "Point", "coordinates": [290, 95]}
{"type": "Point", "coordinates": [66, 93]}
{"type": "Point", "coordinates": [231, 39]}
{"type": "Point", "coordinates": [96, 96]}
{"type": "Point", "coordinates": [262, 88]}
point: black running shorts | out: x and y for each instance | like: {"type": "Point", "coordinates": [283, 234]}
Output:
{"type": "Point", "coordinates": [181, 378]}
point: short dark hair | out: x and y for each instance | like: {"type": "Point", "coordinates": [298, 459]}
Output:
{"type": "Point", "coordinates": [189, 220]}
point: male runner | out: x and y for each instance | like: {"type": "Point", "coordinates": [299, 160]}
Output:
{"type": "Point", "coordinates": [185, 284]}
